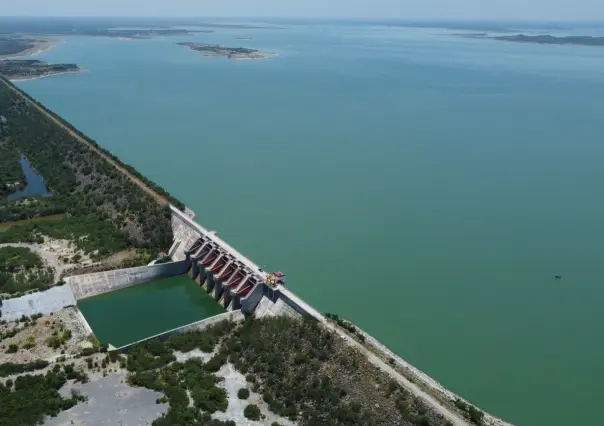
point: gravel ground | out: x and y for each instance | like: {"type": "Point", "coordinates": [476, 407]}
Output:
{"type": "Point", "coordinates": [53, 252]}
{"type": "Point", "coordinates": [233, 381]}
{"type": "Point", "coordinates": [39, 333]}
{"type": "Point", "coordinates": [195, 353]}
{"type": "Point", "coordinates": [110, 402]}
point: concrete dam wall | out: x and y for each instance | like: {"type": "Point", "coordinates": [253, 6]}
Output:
{"type": "Point", "coordinates": [230, 277]}
{"type": "Point", "coordinates": [89, 285]}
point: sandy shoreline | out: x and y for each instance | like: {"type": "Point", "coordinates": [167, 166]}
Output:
{"type": "Point", "coordinates": [41, 44]}
{"type": "Point", "coordinates": [18, 79]}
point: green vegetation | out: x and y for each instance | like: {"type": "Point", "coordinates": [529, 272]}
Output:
{"type": "Point", "coordinates": [301, 367]}
{"type": "Point", "coordinates": [59, 338]}
{"type": "Point", "coordinates": [29, 68]}
{"type": "Point", "coordinates": [105, 212]}
{"type": "Point", "coordinates": [252, 412]}
{"type": "Point", "coordinates": [10, 45]}
{"type": "Point", "coordinates": [88, 233]}
{"type": "Point", "coordinates": [302, 370]}
{"type": "Point", "coordinates": [7, 225]}
{"type": "Point", "coordinates": [243, 393]}
{"type": "Point", "coordinates": [472, 413]}
{"type": "Point", "coordinates": [9, 368]}
{"type": "Point", "coordinates": [34, 397]}
{"type": "Point", "coordinates": [22, 270]}
{"type": "Point", "coordinates": [12, 177]}
{"type": "Point", "coordinates": [14, 259]}
{"type": "Point", "coordinates": [153, 367]}
{"type": "Point", "coordinates": [156, 188]}
{"type": "Point", "coordinates": [346, 326]}
{"type": "Point", "coordinates": [73, 374]}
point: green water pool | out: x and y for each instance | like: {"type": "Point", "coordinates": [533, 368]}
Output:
{"type": "Point", "coordinates": [127, 315]}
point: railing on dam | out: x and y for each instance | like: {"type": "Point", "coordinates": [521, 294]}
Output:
{"type": "Point", "coordinates": [195, 326]}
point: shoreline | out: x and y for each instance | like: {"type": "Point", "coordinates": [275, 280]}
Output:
{"type": "Point", "coordinates": [38, 77]}
{"type": "Point", "coordinates": [245, 58]}
{"type": "Point", "coordinates": [41, 44]}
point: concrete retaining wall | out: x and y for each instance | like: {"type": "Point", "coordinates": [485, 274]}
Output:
{"type": "Point", "coordinates": [89, 285]}
{"type": "Point", "coordinates": [43, 302]}
{"type": "Point", "coordinates": [195, 326]}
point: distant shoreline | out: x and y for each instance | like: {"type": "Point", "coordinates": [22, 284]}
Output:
{"type": "Point", "coordinates": [37, 77]}
{"type": "Point", "coordinates": [40, 44]}
{"type": "Point", "coordinates": [590, 41]}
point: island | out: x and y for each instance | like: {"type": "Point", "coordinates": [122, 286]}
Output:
{"type": "Point", "coordinates": [550, 39]}
{"type": "Point", "coordinates": [25, 69]}
{"type": "Point", "coordinates": [540, 39]}
{"type": "Point", "coordinates": [228, 52]}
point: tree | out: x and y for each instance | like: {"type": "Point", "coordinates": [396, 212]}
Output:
{"type": "Point", "coordinates": [243, 393]}
{"type": "Point", "coordinates": [252, 412]}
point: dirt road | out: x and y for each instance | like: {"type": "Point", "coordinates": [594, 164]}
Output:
{"type": "Point", "coordinates": [453, 417]}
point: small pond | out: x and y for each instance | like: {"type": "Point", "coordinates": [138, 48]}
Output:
{"type": "Point", "coordinates": [35, 183]}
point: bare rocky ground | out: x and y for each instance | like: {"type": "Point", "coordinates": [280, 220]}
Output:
{"type": "Point", "coordinates": [110, 402]}
{"type": "Point", "coordinates": [233, 381]}
{"type": "Point", "coordinates": [58, 254]}
{"type": "Point", "coordinates": [37, 334]}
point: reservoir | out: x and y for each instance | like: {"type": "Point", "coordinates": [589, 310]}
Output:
{"type": "Point", "coordinates": [134, 313]}
{"type": "Point", "coordinates": [428, 187]}
{"type": "Point", "coordinates": [35, 183]}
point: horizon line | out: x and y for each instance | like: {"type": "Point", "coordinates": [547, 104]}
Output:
{"type": "Point", "coordinates": [316, 18]}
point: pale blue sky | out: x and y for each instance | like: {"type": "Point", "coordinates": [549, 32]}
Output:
{"type": "Point", "coordinates": [406, 9]}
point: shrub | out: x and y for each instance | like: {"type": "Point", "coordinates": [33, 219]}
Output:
{"type": "Point", "coordinates": [252, 412]}
{"type": "Point", "coordinates": [243, 393]}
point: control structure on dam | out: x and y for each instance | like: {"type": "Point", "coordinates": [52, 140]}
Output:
{"type": "Point", "coordinates": [229, 277]}
{"type": "Point", "coordinates": [232, 279]}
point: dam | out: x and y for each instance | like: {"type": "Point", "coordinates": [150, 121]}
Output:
{"type": "Point", "coordinates": [206, 277]}
{"type": "Point", "coordinates": [207, 282]}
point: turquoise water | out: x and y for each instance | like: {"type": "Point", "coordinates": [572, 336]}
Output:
{"type": "Point", "coordinates": [427, 187]}
{"type": "Point", "coordinates": [135, 313]}
{"type": "Point", "coordinates": [35, 183]}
